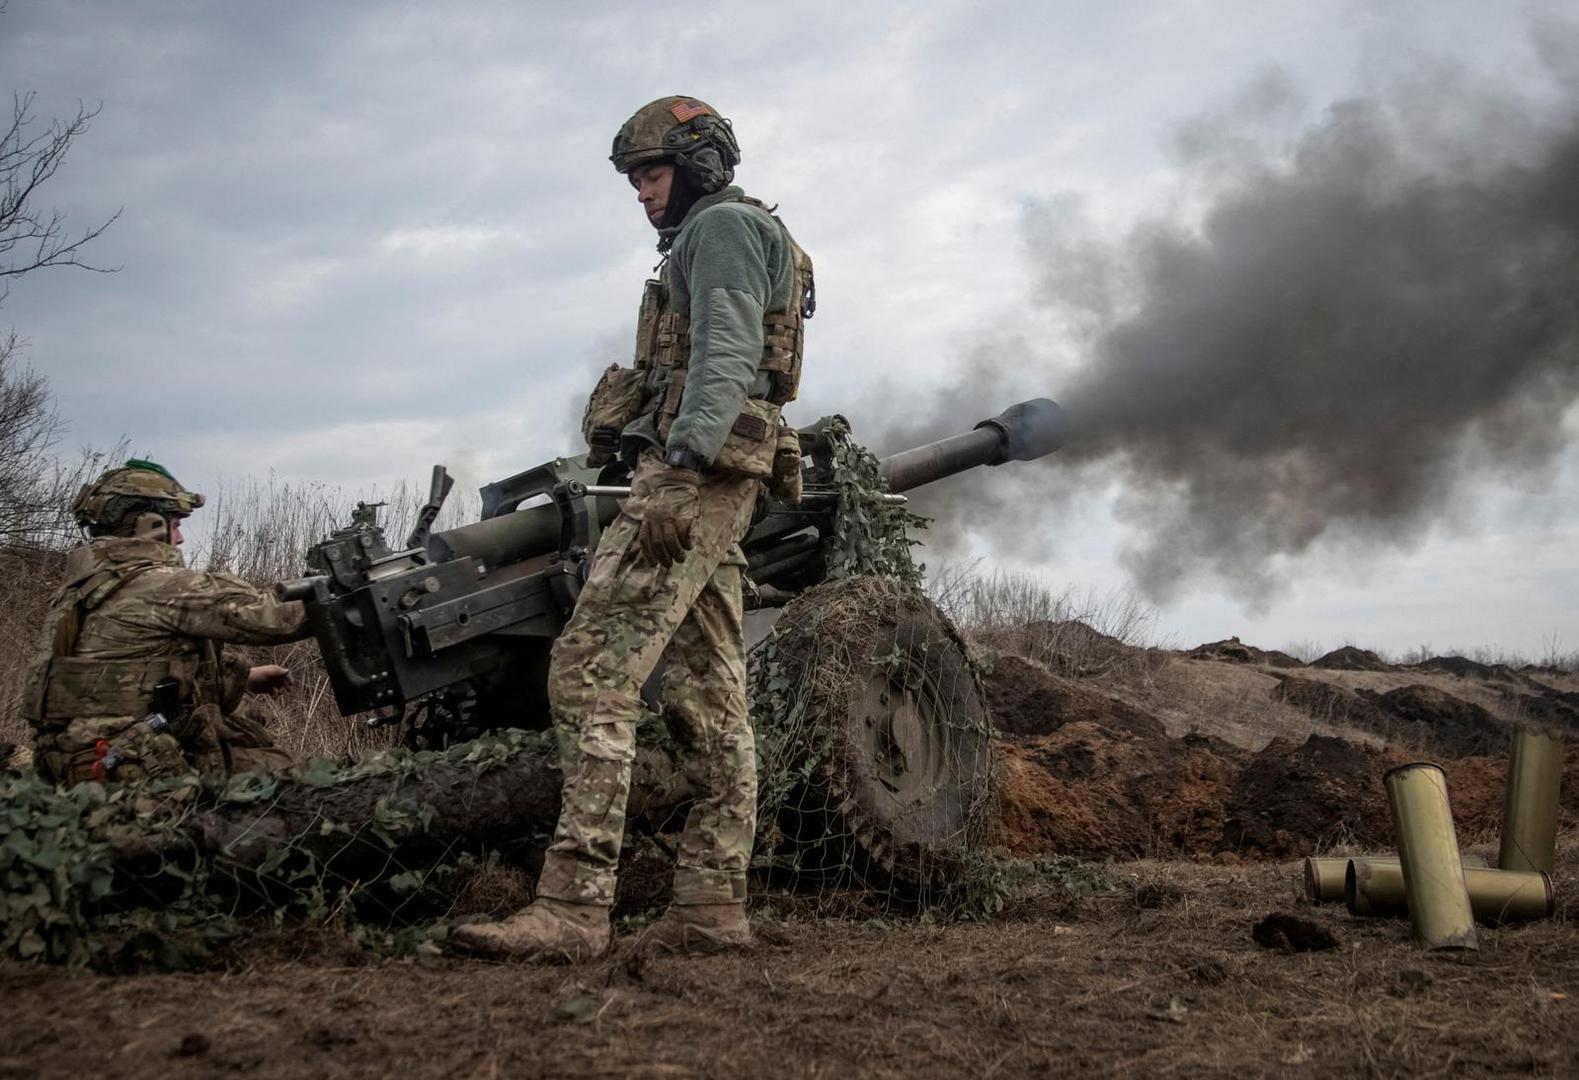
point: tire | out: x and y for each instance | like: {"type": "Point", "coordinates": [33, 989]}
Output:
{"type": "Point", "coordinates": [892, 736]}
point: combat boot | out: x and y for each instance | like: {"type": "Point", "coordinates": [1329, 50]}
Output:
{"type": "Point", "coordinates": [549, 931]}
{"type": "Point", "coordinates": [698, 928]}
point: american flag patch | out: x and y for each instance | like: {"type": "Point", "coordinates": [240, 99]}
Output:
{"type": "Point", "coordinates": [689, 110]}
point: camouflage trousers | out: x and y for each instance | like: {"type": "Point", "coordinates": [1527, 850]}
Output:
{"type": "Point", "coordinates": [631, 614]}
{"type": "Point", "coordinates": [127, 750]}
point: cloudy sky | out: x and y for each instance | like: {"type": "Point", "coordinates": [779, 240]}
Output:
{"type": "Point", "coordinates": [359, 238]}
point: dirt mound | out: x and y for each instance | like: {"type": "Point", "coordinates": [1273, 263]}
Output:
{"type": "Point", "coordinates": [1077, 634]}
{"type": "Point", "coordinates": [1234, 651]}
{"type": "Point", "coordinates": [1461, 666]}
{"type": "Point", "coordinates": [1350, 658]}
{"type": "Point", "coordinates": [1437, 721]}
{"type": "Point", "coordinates": [1330, 702]}
{"type": "Point", "coordinates": [1551, 710]}
{"type": "Point", "coordinates": [1293, 800]}
{"type": "Point", "coordinates": [1024, 698]}
{"type": "Point", "coordinates": [1424, 717]}
{"type": "Point", "coordinates": [1093, 791]}
{"type": "Point", "coordinates": [1067, 646]}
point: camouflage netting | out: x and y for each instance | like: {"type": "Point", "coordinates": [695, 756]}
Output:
{"type": "Point", "coordinates": [870, 536]}
{"type": "Point", "coordinates": [873, 739]}
{"type": "Point", "coordinates": [876, 768]}
{"type": "Point", "coordinates": [875, 774]}
{"type": "Point", "coordinates": [159, 871]}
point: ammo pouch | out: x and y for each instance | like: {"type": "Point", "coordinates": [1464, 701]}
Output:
{"type": "Point", "coordinates": [788, 465]}
{"type": "Point", "coordinates": [752, 442]}
{"type": "Point", "coordinates": [58, 689]}
{"type": "Point", "coordinates": [615, 402]}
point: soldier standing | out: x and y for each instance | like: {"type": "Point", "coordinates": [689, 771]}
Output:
{"type": "Point", "coordinates": [718, 352]}
{"type": "Point", "coordinates": [131, 682]}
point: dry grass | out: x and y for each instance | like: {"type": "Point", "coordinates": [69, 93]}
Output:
{"type": "Point", "coordinates": [1075, 633]}
{"type": "Point", "coordinates": [1232, 702]}
{"type": "Point", "coordinates": [1504, 700]}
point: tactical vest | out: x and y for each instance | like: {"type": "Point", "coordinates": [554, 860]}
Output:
{"type": "Point", "coordinates": [663, 354]}
{"type": "Point", "coordinates": [60, 686]}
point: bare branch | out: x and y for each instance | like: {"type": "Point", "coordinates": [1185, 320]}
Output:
{"type": "Point", "coordinates": [32, 238]}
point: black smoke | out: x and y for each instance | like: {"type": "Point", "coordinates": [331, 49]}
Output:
{"type": "Point", "coordinates": [1360, 316]}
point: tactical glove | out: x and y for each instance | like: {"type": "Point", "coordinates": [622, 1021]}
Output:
{"type": "Point", "coordinates": [671, 508]}
{"type": "Point", "coordinates": [605, 446]}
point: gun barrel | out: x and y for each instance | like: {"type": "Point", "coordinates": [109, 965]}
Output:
{"type": "Point", "coordinates": [1022, 432]}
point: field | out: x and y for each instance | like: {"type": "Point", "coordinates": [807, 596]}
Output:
{"type": "Point", "coordinates": [1187, 784]}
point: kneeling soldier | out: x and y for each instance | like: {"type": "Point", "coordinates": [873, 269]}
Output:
{"type": "Point", "coordinates": [131, 683]}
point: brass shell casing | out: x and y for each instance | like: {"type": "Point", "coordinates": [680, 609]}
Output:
{"type": "Point", "coordinates": [1325, 878]}
{"type": "Point", "coordinates": [1373, 887]}
{"type": "Point", "coordinates": [1529, 808]}
{"type": "Point", "coordinates": [1433, 873]}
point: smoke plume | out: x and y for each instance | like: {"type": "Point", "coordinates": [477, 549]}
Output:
{"type": "Point", "coordinates": [1356, 320]}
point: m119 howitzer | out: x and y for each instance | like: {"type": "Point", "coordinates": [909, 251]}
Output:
{"type": "Point", "coordinates": [883, 733]}
{"type": "Point", "coordinates": [458, 624]}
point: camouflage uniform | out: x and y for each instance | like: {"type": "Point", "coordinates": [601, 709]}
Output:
{"type": "Point", "coordinates": [630, 614]}
{"type": "Point", "coordinates": [718, 352]}
{"type": "Point", "coordinates": [127, 616]}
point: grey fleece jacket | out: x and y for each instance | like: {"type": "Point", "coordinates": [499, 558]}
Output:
{"type": "Point", "coordinates": [729, 264]}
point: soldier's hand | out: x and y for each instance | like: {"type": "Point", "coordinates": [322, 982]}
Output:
{"type": "Point", "coordinates": [670, 511]}
{"type": "Point", "coordinates": [268, 679]}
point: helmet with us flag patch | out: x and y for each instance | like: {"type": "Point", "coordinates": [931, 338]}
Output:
{"type": "Point", "coordinates": [684, 130]}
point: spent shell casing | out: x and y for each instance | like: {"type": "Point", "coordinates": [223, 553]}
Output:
{"type": "Point", "coordinates": [1529, 806]}
{"type": "Point", "coordinates": [1373, 887]}
{"type": "Point", "coordinates": [1433, 872]}
{"type": "Point", "coordinates": [1325, 878]}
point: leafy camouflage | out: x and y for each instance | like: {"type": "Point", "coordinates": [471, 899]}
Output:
{"type": "Point", "coordinates": [870, 536]}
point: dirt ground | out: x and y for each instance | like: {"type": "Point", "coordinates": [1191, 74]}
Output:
{"type": "Point", "coordinates": [1156, 976]}
{"type": "Point", "coordinates": [1224, 762]}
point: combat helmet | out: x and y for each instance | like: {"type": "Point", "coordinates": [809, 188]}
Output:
{"type": "Point", "coordinates": [138, 487]}
{"type": "Point", "coordinates": [683, 130]}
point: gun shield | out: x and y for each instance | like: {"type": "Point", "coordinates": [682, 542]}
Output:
{"type": "Point", "coordinates": [1433, 873]}
{"type": "Point", "coordinates": [1529, 808]}
{"type": "Point", "coordinates": [1374, 887]}
{"type": "Point", "coordinates": [1325, 878]}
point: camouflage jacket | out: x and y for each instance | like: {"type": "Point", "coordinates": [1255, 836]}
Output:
{"type": "Point", "coordinates": [130, 614]}
{"type": "Point", "coordinates": [729, 263]}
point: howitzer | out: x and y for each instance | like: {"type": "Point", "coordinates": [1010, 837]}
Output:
{"type": "Point", "coordinates": [458, 623]}
{"type": "Point", "coordinates": [887, 736]}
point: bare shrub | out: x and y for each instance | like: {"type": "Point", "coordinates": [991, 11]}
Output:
{"type": "Point", "coordinates": [1554, 658]}
{"type": "Point", "coordinates": [261, 530]}
{"type": "Point", "coordinates": [1304, 651]}
{"type": "Point", "coordinates": [1072, 632]}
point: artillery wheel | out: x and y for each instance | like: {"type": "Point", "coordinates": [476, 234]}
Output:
{"type": "Point", "coordinates": [888, 727]}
